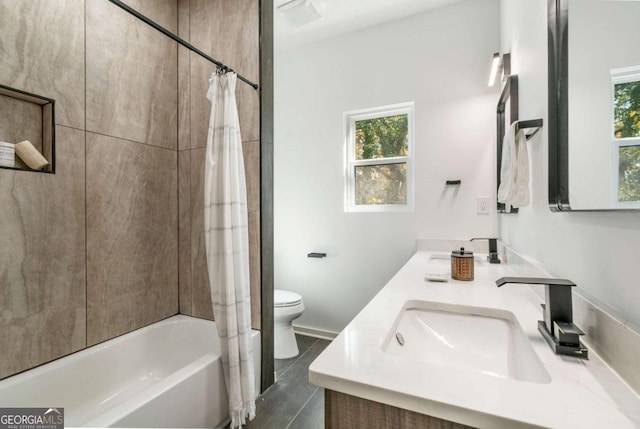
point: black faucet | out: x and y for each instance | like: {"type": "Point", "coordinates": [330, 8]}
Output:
{"type": "Point", "coordinates": [493, 249]}
{"type": "Point", "coordinates": [557, 327]}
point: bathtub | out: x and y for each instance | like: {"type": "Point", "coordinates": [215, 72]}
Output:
{"type": "Point", "coordinates": [168, 374]}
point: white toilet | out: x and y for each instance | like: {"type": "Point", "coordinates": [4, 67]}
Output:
{"type": "Point", "coordinates": [288, 306]}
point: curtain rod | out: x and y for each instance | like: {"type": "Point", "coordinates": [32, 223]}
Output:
{"type": "Point", "coordinates": [180, 41]}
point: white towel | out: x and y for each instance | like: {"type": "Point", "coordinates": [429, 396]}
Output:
{"type": "Point", "coordinates": [509, 167]}
{"type": "Point", "coordinates": [521, 196]}
{"type": "Point", "coordinates": [514, 172]}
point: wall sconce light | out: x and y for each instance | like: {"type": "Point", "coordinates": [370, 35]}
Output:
{"type": "Point", "coordinates": [500, 65]}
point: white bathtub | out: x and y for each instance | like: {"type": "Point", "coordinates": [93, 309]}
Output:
{"type": "Point", "coordinates": [168, 374]}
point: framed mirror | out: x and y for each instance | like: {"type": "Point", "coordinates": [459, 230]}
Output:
{"type": "Point", "coordinates": [594, 105]}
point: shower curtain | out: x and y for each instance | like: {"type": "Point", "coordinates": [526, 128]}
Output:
{"type": "Point", "coordinates": [227, 245]}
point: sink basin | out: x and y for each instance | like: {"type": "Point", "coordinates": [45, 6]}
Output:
{"type": "Point", "coordinates": [484, 340]}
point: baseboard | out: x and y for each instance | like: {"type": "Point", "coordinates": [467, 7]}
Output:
{"type": "Point", "coordinates": [316, 333]}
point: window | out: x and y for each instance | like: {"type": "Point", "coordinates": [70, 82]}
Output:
{"type": "Point", "coordinates": [626, 137]}
{"type": "Point", "coordinates": [379, 173]}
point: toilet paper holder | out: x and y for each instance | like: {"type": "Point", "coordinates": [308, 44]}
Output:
{"type": "Point", "coordinates": [316, 255]}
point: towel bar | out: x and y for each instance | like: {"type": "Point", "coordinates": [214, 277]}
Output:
{"type": "Point", "coordinates": [534, 124]}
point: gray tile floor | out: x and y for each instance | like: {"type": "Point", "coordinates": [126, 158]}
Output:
{"type": "Point", "coordinates": [293, 403]}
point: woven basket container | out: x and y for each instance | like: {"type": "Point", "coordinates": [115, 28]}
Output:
{"type": "Point", "coordinates": [462, 265]}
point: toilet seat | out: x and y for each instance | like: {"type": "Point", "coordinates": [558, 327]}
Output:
{"type": "Point", "coordinates": [285, 298]}
{"type": "Point", "coordinates": [288, 307]}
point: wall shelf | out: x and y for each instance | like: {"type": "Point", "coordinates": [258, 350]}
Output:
{"type": "Point", "coordinates": [27, 116]}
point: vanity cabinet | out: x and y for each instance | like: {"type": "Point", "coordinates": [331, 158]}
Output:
{"type": "Point", "coordinates": [346, 411]}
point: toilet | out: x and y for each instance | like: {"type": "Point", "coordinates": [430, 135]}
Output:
{"type": "Point", "coordinates": [288, 306]}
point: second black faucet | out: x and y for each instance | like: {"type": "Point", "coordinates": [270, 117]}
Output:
{"type": "Point", "coordinates": [493, 249]}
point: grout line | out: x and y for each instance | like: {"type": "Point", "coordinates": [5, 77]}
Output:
{"type": "Point", "coordinates": [302, 408]}
{"type": "Point", "coordinates": [190, 97]}
{"type": "Point", "coordinates": [190, 235]}
{"type": "Point", "coordinates": [131, 141]}
{"type": "Point", "coordinates": [86, 206]}
{"type": "Point", "coordinates": [189, 80]}
{"type": "Point", "coordinates": [73, 128]}
{"type": "Point", "coordinates": [298, 358]}
{"type": "Point", "coordinates": [178, 235]}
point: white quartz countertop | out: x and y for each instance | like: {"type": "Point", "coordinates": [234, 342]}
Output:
{"type": "Point", "coordinates": [581, 393]}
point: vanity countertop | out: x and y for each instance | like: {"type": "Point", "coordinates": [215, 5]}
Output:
{"type": "Point", "coordinates": [581, 393]}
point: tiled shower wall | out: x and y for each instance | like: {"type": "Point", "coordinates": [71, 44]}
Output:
{"type": "Point", "coordinates": [99, 248]}
{"type": "Point", "coordinates": [210, 25]}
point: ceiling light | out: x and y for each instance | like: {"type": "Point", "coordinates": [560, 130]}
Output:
{"type": "Point", "coordinates": [299, 12]}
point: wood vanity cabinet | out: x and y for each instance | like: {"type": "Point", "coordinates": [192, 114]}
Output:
{"type": "Point", "coordinates": [342, 411]}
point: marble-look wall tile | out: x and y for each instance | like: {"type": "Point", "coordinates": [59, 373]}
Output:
{"type": "Point", "coordinates": [42, 48]}
{"type": "Point", "coordinates": [228, 30]}
{"type": "Point", "coordinates": [184, 19]}
{"type": "Point", "coordinates": [200, 107]}
{"type": "Point", "coordinates": [184, 164]}
{"type": "Point", "coordinates": [247, 99]}
{"type": "Point", "coordinates": [42, 259]}
{"type": "Point", "coordinates": [163, 12]}
{"type": "Point", "coordinates": [132, 236]}
{"type": "Point", "coordinates": [251, 152]}
{"type": "Point", "coordinates": [255, 267]}
{"type": "Point", "coordinates": [248, 111]}
{"type": "Point", "coordinates": [199, 276]}
{"type": "Point", "coordinates": [184, 232]}
{"type": "Point", "coordinates": [132, 76]}
{"type": "Point", "coordinates": [184, 99]}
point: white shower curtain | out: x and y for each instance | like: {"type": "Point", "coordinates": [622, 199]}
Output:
{"type": "Point", "coordinates": [227, 245]}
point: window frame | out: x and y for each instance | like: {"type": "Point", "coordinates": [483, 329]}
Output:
{"type": "Point", "coordinates": [620, 76]}
{"type": "Point", "coordinates": [350, 119]}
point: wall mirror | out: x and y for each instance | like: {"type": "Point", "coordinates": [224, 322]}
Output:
{"type": "Point", "coordinates": [594, 105]}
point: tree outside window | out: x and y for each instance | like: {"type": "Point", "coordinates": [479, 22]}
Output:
{"type": "Point", "coordinates": [379, 159]}
{"type": "Point", "coordinates": [626, 118]}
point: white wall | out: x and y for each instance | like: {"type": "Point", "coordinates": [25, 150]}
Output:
{"type": "Point", "coordinates": [441, 61]}
{"type": "Point", "coordinates": [598, 251]}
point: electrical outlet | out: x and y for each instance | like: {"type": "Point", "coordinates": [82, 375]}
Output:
{"type": "Point", "coordinates": [482, 205]}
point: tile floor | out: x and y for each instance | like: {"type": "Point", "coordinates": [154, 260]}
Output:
{"type": "Point", "coordinates": [293, 403]}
